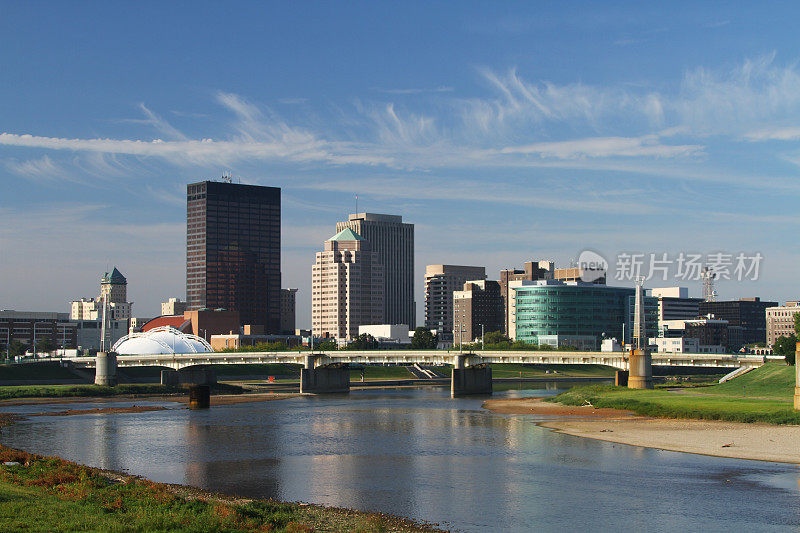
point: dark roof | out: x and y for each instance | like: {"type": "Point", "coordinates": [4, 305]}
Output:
{"type": "Point", "coordinates": [115, 277]}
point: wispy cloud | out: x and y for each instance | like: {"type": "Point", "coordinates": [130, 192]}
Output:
{"type": "Point", "coordinates": [776, 133]}
{"type": "Point", "coordinates": [647, 146]}
{"type": "Point", "coordinates": [157, 122]}
{"type": "Point", "coordinates": [43, 167]}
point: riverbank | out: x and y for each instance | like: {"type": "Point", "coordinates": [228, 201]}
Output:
{"type": "Point", "coordinates": [737, 440]}
{"type": "Point", "coordinates": [49, 494]}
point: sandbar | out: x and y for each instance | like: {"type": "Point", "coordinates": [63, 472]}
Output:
{"type": "Point", "coordinates": [762, 442]}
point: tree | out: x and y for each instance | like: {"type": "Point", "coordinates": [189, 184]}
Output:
{"type": "Point", "coordinates": [423, 339]}
{"type": "Point", "coordinates": [786, 347]}
{"type": "Point", "coordinates": [326, 345]}
{"type": "Point", "coordinates": [365, 341]}
{"type": "Point", "coordinates": [496, 340]}
{"type": "Point", "coordinates": [797, 325]}
{"type": "Point", "coordinates": [16, 348]}
{"type": "Point", "coordinates": [45, 345]}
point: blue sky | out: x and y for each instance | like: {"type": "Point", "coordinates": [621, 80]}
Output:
{"type": "Point", "coordinates": [504, 131]}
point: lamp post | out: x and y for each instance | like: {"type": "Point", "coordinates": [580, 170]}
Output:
{"type": "Point", "coordinates": [483, 346]}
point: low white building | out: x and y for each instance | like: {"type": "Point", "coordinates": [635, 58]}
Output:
{"type": "Point", "coordinates": [390, 333]}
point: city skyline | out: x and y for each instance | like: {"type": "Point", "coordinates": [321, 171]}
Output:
{"type": "Point", "coordinates": [612, 128]}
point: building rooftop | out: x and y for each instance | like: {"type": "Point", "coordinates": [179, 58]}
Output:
{"type": "Point", "coordinates": [115, 277]}
{"type": "Point", "coordinates": [375, 217]}
{"type": "Point", "coordinates": [347, 235]}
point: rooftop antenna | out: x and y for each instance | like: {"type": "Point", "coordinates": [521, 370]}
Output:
{"type": "Point", "coordinates": [709, 292]}
{"type": "Point", "coordinates": [356, 204]}
{"type": "Point", "coordinates": [227, 177]}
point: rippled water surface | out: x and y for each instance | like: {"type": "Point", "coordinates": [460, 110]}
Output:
{"type": "Point", "coordinates": [421, 454]}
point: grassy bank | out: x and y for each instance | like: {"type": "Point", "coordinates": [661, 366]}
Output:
{"type": "Point", "coordinates": [32, 371]}
{"type": "Point", "coordinates": [76, 391]}
{"type": "Point", "coordinates": [666, 404]}
{"type": "Point", "coordinates": [49, 494]}
{"type": "Point", "coordinates": [773, 380]}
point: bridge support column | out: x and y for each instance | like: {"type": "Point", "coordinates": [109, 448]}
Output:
{"type": "Point", "coordinates": [640, 373]}
{"type": "Point", "coordinates": [470, 379]}
{"type": "Point", "coordinates": [196, 375]}
{"type": "Point", "coordinates": [106, 369]}
{"type": "Point", "coordinates": [169, 377]}
{"type": "Point", "coordinates": [797, 377]}
{"type": "Point", "coordinates": [324, 379]}
{"type": "Point", "coordinates": [199, 397]}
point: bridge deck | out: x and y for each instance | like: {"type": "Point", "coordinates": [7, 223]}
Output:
{"type": "Point", "coordinates": [426, 357]}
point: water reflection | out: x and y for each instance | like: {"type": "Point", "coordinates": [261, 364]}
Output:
{"type": "Point", "coordinates": [422, 454]}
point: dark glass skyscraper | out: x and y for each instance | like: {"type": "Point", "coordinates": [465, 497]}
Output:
{"type": "Point", "coordinates": [233, 250]}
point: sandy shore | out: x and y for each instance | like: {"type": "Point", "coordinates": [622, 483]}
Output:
{"type": "Point", "coordinates": [762, 442]}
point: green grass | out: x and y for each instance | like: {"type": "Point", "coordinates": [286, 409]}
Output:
{"type": "Point", "coordinates": [49, 494]}
{"type": "Point", "coordinates": [662, 403]}
{"type": "Point", "coordinates": [75, 391]}
{"type": "Point", "coordinates": [31, 371]}
{"type": "Point", "coordinates": [773, 380]}
{"type": "Point", "coordinates": [538, 371]}
{"type": "Point", "coordinates": [272, 369]}
{"type": "Point", "coordinates": [381, 372]}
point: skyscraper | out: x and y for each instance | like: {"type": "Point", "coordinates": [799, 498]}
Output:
{"type": "Point", "coordinates": [393, 241]}
{"type": "Point", "coordinates": [233, 250]}
{"type": "Point", "coordinates": [346, 287]}
{"type": "Point", "coordinates": [440, 282]}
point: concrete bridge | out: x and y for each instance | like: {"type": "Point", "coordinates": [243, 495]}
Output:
{"type": "Point", "coordinates": [327, 371]}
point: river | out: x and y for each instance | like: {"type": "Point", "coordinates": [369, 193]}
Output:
{"type": "Point", "coordinates": [418, 453]}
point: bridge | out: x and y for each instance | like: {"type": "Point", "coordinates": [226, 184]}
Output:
{"type": "Point", "coordinates": [326, 371]}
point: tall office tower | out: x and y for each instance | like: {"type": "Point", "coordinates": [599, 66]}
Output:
{"type": "Point", "coordinates": [347, 287]}
{"type": "Point", "coordinates": [534, 270]}
{"type": "Point", "coordinates": [288, 310]}
{"type": "Point", "coordinates": [477, 309]}
{"type": "Point", "coordinates": [748, 313]}
{"type": "Point", "coordinates": [393, 241]}
{"type": "Point", "coordinates": [113, 287]}
{"type": "Point", "coordinates": [440, 282]}
{"type": "Point", "coordinates": [233, 250]}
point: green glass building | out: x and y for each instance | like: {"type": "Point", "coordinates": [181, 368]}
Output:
{"type": "Point", "coordinates": [574, 314]}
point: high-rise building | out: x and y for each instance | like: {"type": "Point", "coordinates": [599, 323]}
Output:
{"type": "Point", "coordinates": [393, 241]}
{"type": "Point", "coordinates": [780, 321]}
{"type": "Point", "coordinates": [114, 287]}
{"type": "Point", "coordinates": [172, 307]}
{"type": "Point", "coordinates": [534, 270]}
{"type": "Point", "coordinates": [288, 310]}
{"type": "Point", "coordinates": [674, 303]}
{"type": "Point", "coordinates": [233, 251]}
{"type": "Point", "coordinates": [749, 313]}
{"type": "Point", "coordinates": [571, 313]}
{"type": "Point", "coordinates": [440, 283]}
{"type": "Point", "coordinates": [347, 287]}
{"type": "Point", "coordinates": [478, 308]}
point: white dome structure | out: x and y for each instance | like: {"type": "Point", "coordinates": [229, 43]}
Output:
{"type": "Point", "coordinates": [159, 341]}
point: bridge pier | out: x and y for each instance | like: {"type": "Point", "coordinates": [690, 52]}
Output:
{"type": "Point", "coordinates": [195, 375]}
{"type": "Point", "coordinates": [640, 373]}
{"type": "Point", "coordinates": [324, 379]}
{"type": "Point", "coordinates": [105, 369]}
{"type": "Point", "coordinates": [466, 380]}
